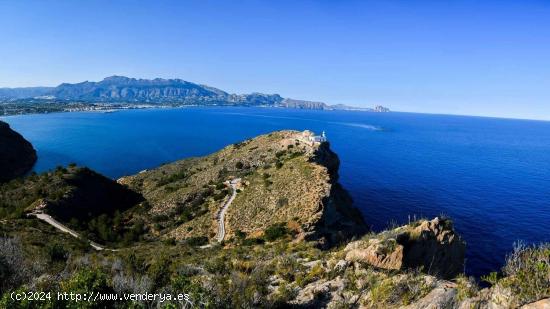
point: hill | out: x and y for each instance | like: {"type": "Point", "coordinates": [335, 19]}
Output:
{"type": "Point", "coordinates": [17, 155]}
{"type": "Point", "coordinates": [81, 198]}
{"type": "Point", "coordinates": [285, 179]}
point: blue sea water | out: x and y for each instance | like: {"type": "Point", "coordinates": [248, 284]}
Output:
{"type": "Point", "coordinates": [492, 176]}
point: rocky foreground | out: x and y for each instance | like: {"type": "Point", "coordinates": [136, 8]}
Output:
{"type": "Point", "coordinates": [293, 239]}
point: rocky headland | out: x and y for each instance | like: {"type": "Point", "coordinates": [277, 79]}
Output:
{"type": "Point", "coordinates": [17, 156]}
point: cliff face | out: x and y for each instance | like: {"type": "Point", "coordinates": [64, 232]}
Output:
{"type": "Point", "coordinates": [285, 179]}
{"type": "Point", "coordinates": [17, 156]}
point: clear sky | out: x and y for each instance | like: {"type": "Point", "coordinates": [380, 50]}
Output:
{"type": "Point", "coordinates": [455, 57]}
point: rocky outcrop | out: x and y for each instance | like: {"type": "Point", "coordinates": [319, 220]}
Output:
{"type": "Point", "coordinates": [386, 254]}
{"type": "Point", "coordinates": [432, 245]}
{"type": "Point", "coordinates": [17, 156]}
{"type": "Point", "coordinates": [320, 294]}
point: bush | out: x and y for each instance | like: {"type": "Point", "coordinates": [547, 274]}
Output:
{"type": "Point", "coordinates": [240, 234]}
{"type": "Point", "coordinates": [197, 241]}
{"type": "Point", "coordinates": [527, 273]}
{"type": "Point", "coordinates": [13, 270]}
{"type": "Point", "coordinates": [56, 252]}
{"type": "Point", "coordinates": [275, 232]}
{"type": "Point", "coordinates": [159, 270]}
{"type": "Point", "coordinates": [172, 178]}
{"type": "Point", "coordinates": [252, 241]}
{"type": "Point", "coordinates": [283, 201]}
{"type": "Point", "coordinates": [85, 282]}
{"type": "Point", "coordinates": [170, 242]}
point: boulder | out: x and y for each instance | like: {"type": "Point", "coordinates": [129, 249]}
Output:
{"type": "Point", "coordinates": [386, 254]}
{"type": "Point", "coordinates": [320, 294]}
{"type": "Point", "coordinates": [441, 297]}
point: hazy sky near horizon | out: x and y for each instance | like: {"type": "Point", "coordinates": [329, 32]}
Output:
{"type": "Point", "coordinates": [487, 58]}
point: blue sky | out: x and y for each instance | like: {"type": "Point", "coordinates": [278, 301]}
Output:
{"type": "Point", "coordinates": [456, 57]}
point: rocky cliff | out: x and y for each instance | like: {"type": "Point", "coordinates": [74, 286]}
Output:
{"type": "Point", "coordinates": [17, 156]}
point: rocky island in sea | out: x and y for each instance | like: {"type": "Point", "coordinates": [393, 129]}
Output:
{"type": "Point", "coordinates": [290, 238]}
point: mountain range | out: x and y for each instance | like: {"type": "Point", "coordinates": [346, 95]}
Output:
{"type": "Point", "coordinates": [121, 89]}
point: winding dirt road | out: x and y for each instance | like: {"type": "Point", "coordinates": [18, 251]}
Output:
{"type": "Point", "coordinates": [221, 216]}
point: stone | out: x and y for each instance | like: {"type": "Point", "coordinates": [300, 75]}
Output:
{"type": "Point", "coordinates": [382, 254]}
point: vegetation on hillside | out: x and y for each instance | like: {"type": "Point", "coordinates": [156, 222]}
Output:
{"type": "Point", "coordinates": [162, 223]}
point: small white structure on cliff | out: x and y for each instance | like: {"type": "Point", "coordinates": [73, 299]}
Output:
{"type": "Point", "coordinates": [310, 138]}
{"type": "Point", "coordinates": [319, 138]}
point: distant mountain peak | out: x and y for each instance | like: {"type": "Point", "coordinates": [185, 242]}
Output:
{"type": "Point", "coordinates": [117, 78]}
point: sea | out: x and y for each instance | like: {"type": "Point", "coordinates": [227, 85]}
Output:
{"type": "Point", "coordinates": [490, 175]}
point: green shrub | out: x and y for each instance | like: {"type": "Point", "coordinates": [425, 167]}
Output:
{"type": "Point", "coordinates": [252, 241]}
{"type": "Point", "coordinates": [172, 178]}
{"type": "Point", "coordinates": [85, 282]}
{"type": "Point", "coordinates": [240, 234]}
{"type": "Point", "coordinates": [491, 278]}
{"type": "Point", "coordinates": [197, 241]}
{"type": "Point", "coordinates": [275, 232]}
{"type": "Point", "coordinates": [56, 252]}
{"type": "Point", "coordinates": [527, 273]}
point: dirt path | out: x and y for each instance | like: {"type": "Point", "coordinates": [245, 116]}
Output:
{"type": "Point", "coordinates": [58, 225]}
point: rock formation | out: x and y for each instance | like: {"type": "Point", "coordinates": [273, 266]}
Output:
{"type": "Point", "coordinates": [432, 245]}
